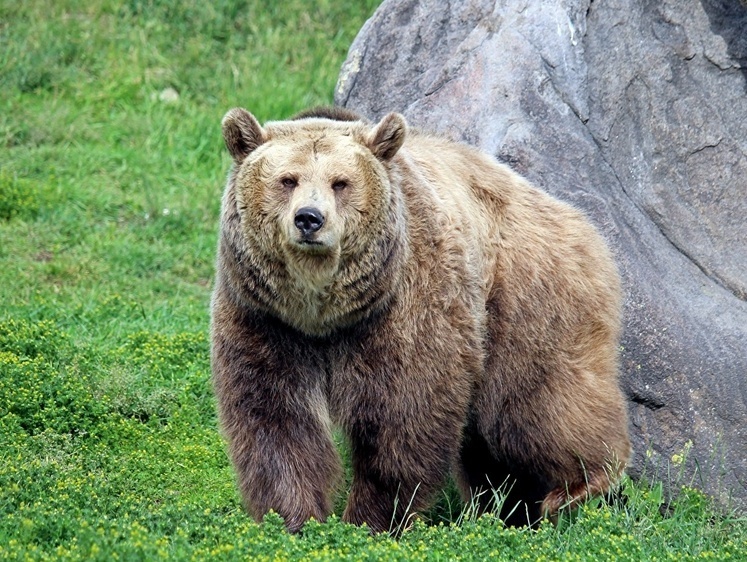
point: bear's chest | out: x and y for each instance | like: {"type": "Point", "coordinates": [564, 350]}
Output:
{"type": "Point", "coordinates": [318, 310]}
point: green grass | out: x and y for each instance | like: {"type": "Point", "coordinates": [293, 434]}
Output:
{"type": "Point", "coordinates": [109, 199]}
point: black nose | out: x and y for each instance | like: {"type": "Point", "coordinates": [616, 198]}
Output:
{"type": "Point", "coordinates": [308, 220]}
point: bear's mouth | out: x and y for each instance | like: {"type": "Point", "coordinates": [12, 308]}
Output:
{"type": "Point", "coordinates": [310, 246]}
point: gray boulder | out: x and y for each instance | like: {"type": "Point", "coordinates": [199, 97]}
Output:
{"type": "Point", "coordinates": [637, 113]}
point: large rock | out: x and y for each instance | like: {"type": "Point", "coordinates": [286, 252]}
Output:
{"type": "Point", "coordinates": [637, 113]}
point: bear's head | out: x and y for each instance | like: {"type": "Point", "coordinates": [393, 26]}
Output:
{"type": "Point", "coordinates": [314, 194]}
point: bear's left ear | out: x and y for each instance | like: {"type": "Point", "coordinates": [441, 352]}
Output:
{"type": "Point", "coordinates": [242, 133]}
{"type": "Point", "coordinates": [388, 136]}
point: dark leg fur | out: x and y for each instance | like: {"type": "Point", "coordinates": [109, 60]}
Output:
{"type": "Point", "coordinates": [596, 483]}
{"type": "Point", "coordinates": [277, 427]}
{"type": "Point", "coordinates": [390, 482]}
{"type": "Point", "coordinates": [480, 474]}
{"type": "Point", "coordinates": [291, 468]}
{"type": "Point", "coordinates": [402, 448]}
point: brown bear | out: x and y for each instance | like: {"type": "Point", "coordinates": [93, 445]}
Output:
{"type": "Point", "coordinates": [431, 303]}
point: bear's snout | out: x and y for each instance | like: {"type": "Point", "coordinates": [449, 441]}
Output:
{"type": "Point", "coordinates": [308, 220]}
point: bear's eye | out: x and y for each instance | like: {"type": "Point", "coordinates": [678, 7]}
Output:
{"type": "Point", "coordinates": [339, 185]}
{"type": "Point", "coordinates": [290, 183]}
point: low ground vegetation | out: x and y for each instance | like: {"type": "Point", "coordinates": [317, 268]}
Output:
{"type": "Point", "coordinates": [111, 170]}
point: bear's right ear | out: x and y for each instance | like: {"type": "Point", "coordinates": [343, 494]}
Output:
{"type": "Point", "coordinates": [387, 136]}
{"type": "Point", "coordinates": [242, 133]}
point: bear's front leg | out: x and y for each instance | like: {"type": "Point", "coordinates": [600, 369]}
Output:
{"type": "Point", "coordinates": [398, 464]}
{"type": "Point", "coordinates": [404, 418]}
{"type": "Point", "coordinates": [273, 412]}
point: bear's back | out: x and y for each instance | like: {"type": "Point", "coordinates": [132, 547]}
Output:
{"type": "Point", "coordinates": [512, 228]}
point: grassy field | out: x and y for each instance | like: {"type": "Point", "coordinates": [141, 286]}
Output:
{"type": "Point", "coordinates": [111, 170]}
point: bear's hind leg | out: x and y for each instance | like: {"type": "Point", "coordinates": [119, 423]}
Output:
{"type": "Point", "coordinates": [515, 495]}
{"type": "Point", "coordinates": [478, 474]}
{"type": "Point", "coordinates": [597, 482]}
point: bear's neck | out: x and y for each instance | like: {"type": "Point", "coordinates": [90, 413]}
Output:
{"type": "Point", "coordinates": [361, 286]}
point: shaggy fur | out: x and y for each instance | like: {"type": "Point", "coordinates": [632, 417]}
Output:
{"type": "Point", "coordinates": [447, 315]}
